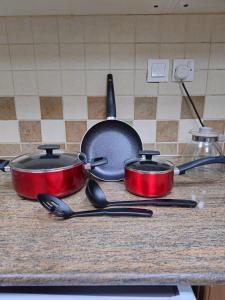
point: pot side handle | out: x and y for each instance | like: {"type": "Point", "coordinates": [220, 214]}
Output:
{"type": "Point", "coordinates": [98, 161]}
{"type": "Point", "coordinates": [3, 163]}
{"type": "Point", "coordinates": [199, 162]}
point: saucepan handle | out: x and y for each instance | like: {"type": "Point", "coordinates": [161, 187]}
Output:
{"type": "Point", "coordinates": [3, 164]}
{"type": "Point", "coordinates": [199, 162]}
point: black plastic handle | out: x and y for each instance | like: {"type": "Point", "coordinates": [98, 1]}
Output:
{"type": "Point", "coordinates": [115, 212]}
{"type": "Point", "coordinates": [157, 202]}
{"type": "Point", "coordinates": [3, 164]}
{"type": "Point", "coordinates": [200, 162]}
{"type": "Point", "coordinates": [111, 102]}
{"type": "Point", "coordinates": [49, 148]}
{"type": "Point", "coordinates": [148, 153]}
{"type": "Point", "coordinates": [98, 161]}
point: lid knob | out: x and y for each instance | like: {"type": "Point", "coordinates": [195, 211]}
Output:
{"type": "Point", "coordinates": [48, 148]}
{"type": "Point", "coordinates": [149, 153]}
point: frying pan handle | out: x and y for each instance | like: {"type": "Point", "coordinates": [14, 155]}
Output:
{"type": "Point", "coordinates": [3, 164]}
{"type": "Point", "coordinates": [111, 103]}
{"type": "Point", "coordinates": [199, 162]}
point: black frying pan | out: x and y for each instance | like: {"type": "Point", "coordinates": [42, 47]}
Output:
{"type": "Point", "coordinates": [113, 139]}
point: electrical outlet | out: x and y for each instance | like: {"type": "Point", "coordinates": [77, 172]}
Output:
{"type": "Point", "coordinates": [183, 69]}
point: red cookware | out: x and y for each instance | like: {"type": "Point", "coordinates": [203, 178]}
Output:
{"type": "Point", "coordinates": [148, 178]}
{"type": "Point", "coordinates": [59, 174]}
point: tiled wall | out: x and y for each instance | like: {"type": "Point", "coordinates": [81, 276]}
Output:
{"type": "Point", "coordinates": [53, 77]}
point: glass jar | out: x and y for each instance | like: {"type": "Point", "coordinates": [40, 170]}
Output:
{"type": "Point", "coordinates": [204, 143]}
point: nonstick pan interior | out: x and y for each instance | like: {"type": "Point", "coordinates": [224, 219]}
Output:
{"type": "Point", "coordinates": [115, 140]}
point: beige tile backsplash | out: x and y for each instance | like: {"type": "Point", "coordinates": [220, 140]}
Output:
{"type": "Point", "coordinates": [53, 77]}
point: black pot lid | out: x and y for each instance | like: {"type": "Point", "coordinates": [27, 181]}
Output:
{"type": "Point", "coordinates": [46, 160]}
{"type": "Point", "coordinates": [149, 166]}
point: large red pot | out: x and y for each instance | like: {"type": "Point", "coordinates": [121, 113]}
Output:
{"type": "Point", "coordinates": [59, 174]}
{"type": "Point", "coordinates": [148, 178]}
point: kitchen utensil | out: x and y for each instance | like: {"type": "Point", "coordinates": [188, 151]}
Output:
{"type": "Point", "coordinates": [59, 174]}
{"type": "Point", "coordinates": [97, 197]}
{"type": "Point", "coordinates": [204, 143]}
{"type": "Point", "coordinates": [60, 209]}
{"type": "Point", "coordinates": [148, 178]}
{"type": "Point", "coordinates": [113, 139]}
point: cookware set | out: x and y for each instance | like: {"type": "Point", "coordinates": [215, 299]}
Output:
{"type": "Point", "coordinates": [111, 150]}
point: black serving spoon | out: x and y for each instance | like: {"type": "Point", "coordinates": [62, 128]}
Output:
{"type": "Point", "coordinates": [97, 197]}
{"type": "Point", "coordinates": [59, 208]}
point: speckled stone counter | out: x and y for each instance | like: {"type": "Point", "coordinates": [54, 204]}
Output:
{"type": "Point", "coordinates": [174, 246]}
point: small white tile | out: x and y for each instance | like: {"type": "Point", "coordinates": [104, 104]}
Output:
{"type": "Point", "coordinates": [96, 83]}
{"type": "Point", "coordinates": [71, 29]}
{"type": "Point", "coordinates": [123, 82]}
{"type": "Point", "coordinates": [218, 28]}
{"type": "Point", "coordinates": [47, 56]}
{"type": "Point", "coordinates": [214, 107]}
{"type": "Point", "coordinates": [3, 33]}
{"type": "Point", "coordinates": [72, 56]}
{"type": "Point", "coordinates": [169, 88]}
{"type": "Point", "coordinates": [200, 53]}
{"type": "Point", "coordinates": [148, 29]}
{"type": "Point", "coordinates": [27, 108]}
{"type": "Point", "coordinates": [198, 28]}
{"type": "Point", "coordinates": [216, 82]}
{"type": "Point", "coordinates": [217, 56]}
{"type": "Point", "coordinates": [171, 51]}
{"type": "Point", "coordinates": [49, 83]}
{"type": "Point", "coordinates": [6, 83]}
{"type": "Point", "coordinates": [96, 29]}
{"type": "Point", "coordinates": [75, 107]}
{"type": "Point", "coordinates": [73, 82]}
{"type": "Point", "coordinates": [19, 30]}
{"type": "Point", "coordinates": [25, 83]}
{"type": "Point", "coordinates": [198, 86]}
{"type": "Point", "coordinates": [143, 88]}
{"type": "Point", "coordinates": [172, 28]}
{"type": "Point", "coordinates": [53, 131]}
{"type": "Point", "coordinates": [97, 56]}
{"type": "Point", "coordinates": [146, 129]}
{"type": "Point", "coordinates": [122, 29]}
{"type": "Point", "coordinates": [22, 57]}
{"type": "Point", "coordinates": [45, 29]}
{"type": "Point", "coordinates": [9, 132]}
{"type": "Point", "coordinates": [168, 107]}
{"type": "Point", "coordinates": [125, 107]}
{"type": "Point", "coordinates": [184, 127]}
{"type": "Point", "coordinates": [91, 123]}
{"type": "Point", "coordinates": [122, 56]}
{"type": "Point", "coordinates": [4, 58]}
{"type": "Point", "coordinates": [145, 52]}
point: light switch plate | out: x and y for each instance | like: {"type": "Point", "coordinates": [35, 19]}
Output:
{"type": "Point", "coordinates": [189, 63]}
{"type": "Point", "coordinates": [158, 70]}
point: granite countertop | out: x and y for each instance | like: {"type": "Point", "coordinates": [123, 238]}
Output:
{"type": "Point", "coordinates": [174, 246]}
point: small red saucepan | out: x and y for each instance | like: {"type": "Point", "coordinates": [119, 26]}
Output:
{"type": "Point", "coordinates": [148, 178]}
{"type": "Point", "coordinates": [58, 174]}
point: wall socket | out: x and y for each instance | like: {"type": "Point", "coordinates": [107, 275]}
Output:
{"type": "Point", "coordinates": [183, 69]}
